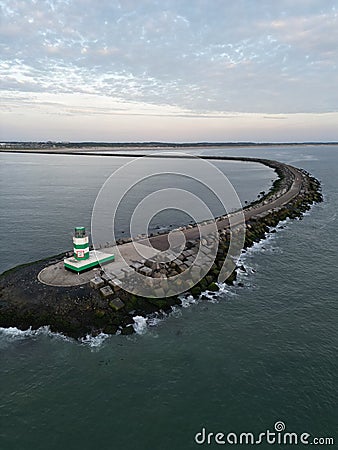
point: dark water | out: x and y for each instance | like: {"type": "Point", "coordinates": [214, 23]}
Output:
{"type": "Point", "coordinates": [262, 353]}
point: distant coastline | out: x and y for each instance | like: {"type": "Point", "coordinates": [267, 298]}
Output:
{"type": "Point", "coordinates": [73, 147]}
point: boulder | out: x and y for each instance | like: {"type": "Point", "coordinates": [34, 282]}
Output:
{"type": "Point", "coordinates": [96, 282]}
{"type": "Point", "coordinates": [151, 264]}
{"type": "Point", "coordinates": [115, 284]}
{"type": "Point", "coordinates": [190, 244]}
{"type": "Point", "coordinates": [137, 266]}
{"type": "Point", "coordinates": [195, 291]}
{"type": "Point", "coordinates": [106, 291]}
{"type": "Point", "coordinates": [129, 329]}
{"type": "Point", "coordinates": [213, 287]}
{"type": "Point", "coordinates": [116, 304]}
{"type": "Point", "coordinates": [147, 271]}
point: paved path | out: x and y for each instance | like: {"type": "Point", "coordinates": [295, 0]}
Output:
{"type": "Point", "coordinates": [160, 242]}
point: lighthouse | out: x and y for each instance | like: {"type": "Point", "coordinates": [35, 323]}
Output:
{"type": "Point", "coordinates": [81, 244]}
{"type": "Point", "coordinates": [83, 259]}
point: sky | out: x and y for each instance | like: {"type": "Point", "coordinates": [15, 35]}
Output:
{"type": "Point", "coordinates": [169, 70]}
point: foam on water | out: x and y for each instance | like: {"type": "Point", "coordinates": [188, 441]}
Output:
{"type": "Point", "coordinates": [265, 244]}
{"type": "Point", "coordinates": [187, 300]}
{"type": "Point", "coordinates": [211, 297]}
{"type": "Point", "coordinates": [175, 312]}
{"type": "Point", "coordinates": [14, 334]}
{"type": "Point", "coordinates": [225, 289]}
{"type": "Point", "coordinates": [156, 319]}
{"type": "Point", "coordinates": [94, 341]}
{"type": "Point", "coordinates": [140, 324]}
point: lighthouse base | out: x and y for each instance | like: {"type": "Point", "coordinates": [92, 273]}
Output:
{"type": "Point", "coordinates": [95, 259]}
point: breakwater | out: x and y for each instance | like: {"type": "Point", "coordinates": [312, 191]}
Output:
{"type": "Point", "coordinates": [90, 308]}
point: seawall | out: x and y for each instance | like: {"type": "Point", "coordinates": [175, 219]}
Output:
{"type": "Point", "coordinates": [78, 310]}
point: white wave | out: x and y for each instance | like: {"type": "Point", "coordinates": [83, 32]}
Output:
{"type": "Point", "coordinates": [226, 289]}
{"type": "Point", "coordinates": [94, 341]}
{"type": "Point", "coordinates": [211, 297]}
{"type": "Point", "coordinates": [265, 244]}
{"type": "Point", "coordinates": [187, 300]}
{"type": "Point", "coordinates": [155, 319]}
{"type": "Point", "coordinates": [246, 258]}
{"type": "Point", "coordinates": [140, 325]}
{"type": "Point", "coordinates": [13, 333]}
{"type": "Point", "coordinates": [175, 312]}
{"type": "Point", "coordinates": [261, 245]}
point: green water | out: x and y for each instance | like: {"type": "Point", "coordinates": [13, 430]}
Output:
{"type": "Point", "coordinates": [261, 353]}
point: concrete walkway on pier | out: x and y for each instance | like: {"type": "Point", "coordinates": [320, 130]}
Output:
{"type": "Point", "coordinates": [57, 275]}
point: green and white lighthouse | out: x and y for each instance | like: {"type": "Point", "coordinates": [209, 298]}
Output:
{"type": "Point", "coordinates": [81, 244]}
{"type": "Point", "coordinates": [83, 259]}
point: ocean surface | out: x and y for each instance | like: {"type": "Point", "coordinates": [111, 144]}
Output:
{"type": "Point", "coordinates": [257, 354]}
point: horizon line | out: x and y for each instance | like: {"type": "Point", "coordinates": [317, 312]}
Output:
{"type": "Point", "coordinates": [166, 143]}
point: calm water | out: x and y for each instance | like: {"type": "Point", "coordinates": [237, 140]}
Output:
{"type": "Point", "coordinates": [43, 197]}
{"type": "Point", "coordinates": [261, 353]}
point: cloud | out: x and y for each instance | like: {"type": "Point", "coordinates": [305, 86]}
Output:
{"type": "Point", "coordinates": [314, 34]}
{"type": "Point", "coordinates": [199, 58]}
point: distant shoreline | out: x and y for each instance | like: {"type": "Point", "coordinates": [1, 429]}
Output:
{"type": "Point", "coordinates": [83, 147]}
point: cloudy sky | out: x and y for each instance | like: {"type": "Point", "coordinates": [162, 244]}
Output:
{"type": "Point", "coordinates": [169, 70]}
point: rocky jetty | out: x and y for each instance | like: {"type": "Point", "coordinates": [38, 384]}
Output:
{"type": "Point", "coordinates": [101, 305]}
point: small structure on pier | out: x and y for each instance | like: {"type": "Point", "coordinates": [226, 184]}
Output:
{"type": "Point", "coordinates": [84, 258]}
{"type": "Point", "coordinates": [81, 244]}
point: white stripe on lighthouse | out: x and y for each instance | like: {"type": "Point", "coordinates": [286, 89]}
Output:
{"type": "Point", "coordinates": [80, 241]}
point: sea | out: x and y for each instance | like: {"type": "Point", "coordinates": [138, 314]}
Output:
{"type": "Point", "coordinates": [260, 357]}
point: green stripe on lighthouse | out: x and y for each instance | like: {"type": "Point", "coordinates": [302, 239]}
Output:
{"type": "Point", "coordinates": [81, 246]}
{"type": "Point", "coordinates": [90, 265]}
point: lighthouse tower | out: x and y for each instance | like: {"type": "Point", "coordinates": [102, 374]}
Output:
{"type": "Point", "coordinates": [84, 259]}
{"type": "Point", "coordinates": [81, 244]}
